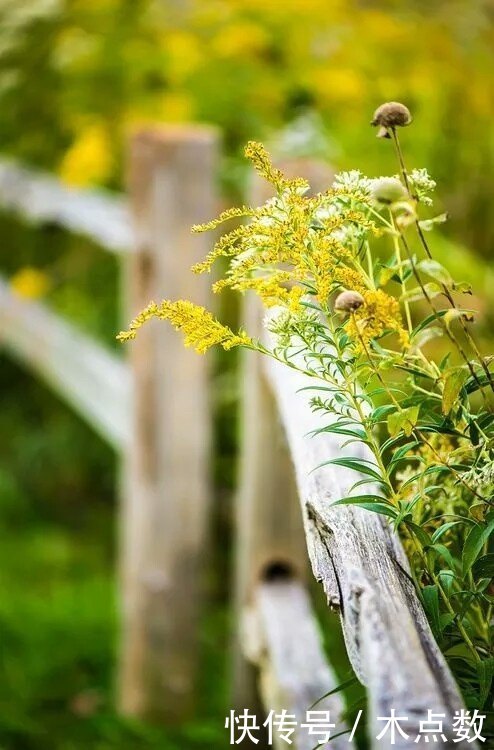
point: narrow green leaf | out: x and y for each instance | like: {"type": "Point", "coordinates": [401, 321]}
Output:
{"type": "Point", "coordinates": [430, 597]}
{"type": "Point", "coordinates": [436, 270]}
{"type": "Point", "coordinates": [423, 337]}
{"type": "Point", "coordinates": [477, 537]}
{"type": "Point", "coordinates": [356, 464]}
{"type": "Point", "coordinates": [370, 502]}
{"type": "Point", "coordinates": [338, 689]}
{"type": "Point", "coordinates": [430, 318]}
{"type": "Point", "coordinates": [428, 224]}
{"type": "Point", "coordinates": [453, 383]}
{"type": "Point", "coordinates": [484, 567]}
{"type": "Point", "coordinates": [485, 671]}
{"type": "Point", "coordinates": [401, 453]}
{"type": "Point", "coordinates": [404, 419]}
{"type": "Point", "coordinates": [443, 529]}
{"type": "Point", "coordinates": [430, 290]}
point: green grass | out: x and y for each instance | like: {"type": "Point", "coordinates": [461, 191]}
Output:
{"type": "Point", "coordinates": [58, 625]}
{"type": "Point", "coordinates": [58, 597]}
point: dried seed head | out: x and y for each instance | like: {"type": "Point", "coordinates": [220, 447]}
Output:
{"type": "Point", "coordinates": [347, 302]}
{"type": "Point", "coordinates": [388, 190]}
{"type": "Point", "coordinates": [390, 115]}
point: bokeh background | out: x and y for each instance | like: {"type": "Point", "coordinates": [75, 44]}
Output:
{"type": "Point", "coordinates": [76, 77]}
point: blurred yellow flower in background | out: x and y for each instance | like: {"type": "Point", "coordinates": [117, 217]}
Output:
{"type": "Point", "coordinates": [30, 282]}
{"type": "Point", "coordinates": [239, 39]}
{"type": "Point", "coordinates": [90, 159]}
{"type": "Point", "coordinates": [175, 106]}
{"type": "Point", "coordinates": [184, 55]}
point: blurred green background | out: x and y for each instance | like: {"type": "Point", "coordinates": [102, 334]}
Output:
{"type": "Point", "coordinates": [76, 77]}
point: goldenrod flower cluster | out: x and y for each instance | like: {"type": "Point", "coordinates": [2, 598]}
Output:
{"type": "Point", "coordinates": [293, 247]}
{"type": "Point", "coordinates": [201, 329]}
{"type": "Point", "coordinates": [379, 313]}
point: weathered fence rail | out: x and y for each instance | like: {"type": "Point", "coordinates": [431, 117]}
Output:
{"type": "Point", "coordinates": [154, 409]}
{"type": "Point", "coordinates": [93, 380]}
{"type": "Point", "coordinates": [363, 570]}
{"type": "Point", "coordinates": [39, 197]}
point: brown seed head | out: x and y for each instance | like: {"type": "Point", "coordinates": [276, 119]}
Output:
{"type": "Point", "coordinates": [347, 302]}
{"type": "Point", "coordinates": [391, 115]}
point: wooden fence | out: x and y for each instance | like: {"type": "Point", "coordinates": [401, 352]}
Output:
{"type": "Point", "coordinates": [154, 409]}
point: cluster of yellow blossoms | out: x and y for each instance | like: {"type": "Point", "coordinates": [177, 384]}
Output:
{"type": "Point", "coordinates": [200, 328]}
{"type": "Point", "coordinates": [379, 313]}
{"type": "Point", "coordinates": [293, 247]}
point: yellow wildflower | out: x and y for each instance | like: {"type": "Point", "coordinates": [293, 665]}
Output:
{"type": "Point", "coordinates": [262, 163]}
{"type": "Point", "coordinates": [30, 283]}
{"type": "Point", "coordinates": [199, 326]}
{"type": "Point", "coordinates": [379, 313]}
{"type": "Point", "coordinates": [241, 39]}
{"type": "Point", "coordinates": [89, 159]}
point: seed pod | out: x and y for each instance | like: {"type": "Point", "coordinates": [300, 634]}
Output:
{"type": "Point", "coordinates": [388, 190]}
{"type": "Point", "coordinates": [390, 115]}
{"type": "Point", "coordinates": [348, 302]}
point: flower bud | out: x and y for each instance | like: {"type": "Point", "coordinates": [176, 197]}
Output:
{"type": "Point", "coordinates": [389, 116]}
{"type": "Point", "coordinates": [388, 190]}
{"type": "Point", "coordinates": [348, 302]}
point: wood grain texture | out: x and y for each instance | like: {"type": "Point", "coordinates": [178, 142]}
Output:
{"type": "Point", "coordinates": [363, 570]}
{"type": "Point", "coordinates": [166, 482]}
{"type": "Point", "coordinates": [269, 532]}
{"type": "Point", "coordinates": [40, 197]}
{"type": "Point", "coordinates": [268, 525]}
{"type": "Point", "coordinates": [282, 638]}
{"type": "Point", "coordinates": [94, 381]}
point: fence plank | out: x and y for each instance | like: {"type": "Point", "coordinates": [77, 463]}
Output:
{"type": "Point", "coordinates": [40, 197]}
{"type": "Point", "coordinates": [92, 380]}
{"type": "Point", "coordinates": [362, 567]}
{"type": "Point", "coordinates": [269, 532]}
{"type": "Point", "coordinates": [166, 482]}
{"type": "Point", "coordinates": [282, 638]}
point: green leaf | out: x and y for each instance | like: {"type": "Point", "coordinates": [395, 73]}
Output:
{"type": "Point", "coordinates": [444, 552]}
{"type": "Point", "coordinates": [436, 270]}
{"type": "Point", "coordinates": [428, 224]}
{"type": "Point", "coordinates": [447, 579]}
{"type": "Point", "coordinates": [463, 286]}
{"type": "Point", "coordinates": [454, 380]}
{"type": "Point", "coordinates": [443, 529]}
{"type": "Point", "coordinates": [430, 318]}
{"type": "Point", "coordinates": [338, 689]}
{"type": "Point", "coordinates": [456, 313]}
{"type": "Point", "coordinates": [420, 533]}
{"type": "Point", "coordinates": [485, 671]}
{"type": "Point", "coordinates": [423, 337]}
{"type": "Point", "coordinates": [474, 433]}
{"type": "Point", "coordinates": [370, 502]}
{"type": "Point", "coordinates": [446, 619]}
{"type": "Point", "coordinates": [385, 275]}
{"type": "Point", "coordinates": [484, 567]}
{"type": "Point", "coordinates": [414, 371]}
{"type": "Point", "coordinates": [430, 597]}
{"type": "Point", "coordinates": [405, 420]}
{"type": "Point", "coordinates": [475, 384]}
{"type": "Point", "coordinates": [430, 290]}
{"type": "Point", "coordinates": [477, 537]}
{"type": "Point", "coordinates": [337, 430]}
{"type": "Point", "coordinates": [356, 464]}
{"type": "Point", "coordinates": [401, 453]}
{"type": "Point", "coordinates": [381, 411]}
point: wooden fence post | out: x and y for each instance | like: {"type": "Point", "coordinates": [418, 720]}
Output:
{"type": "Point", "coordinates": [166, 488]}
{"type": "Point", "coordinates": [269, 535]}
{"type": "Point", "coordinates": [270, 541]}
